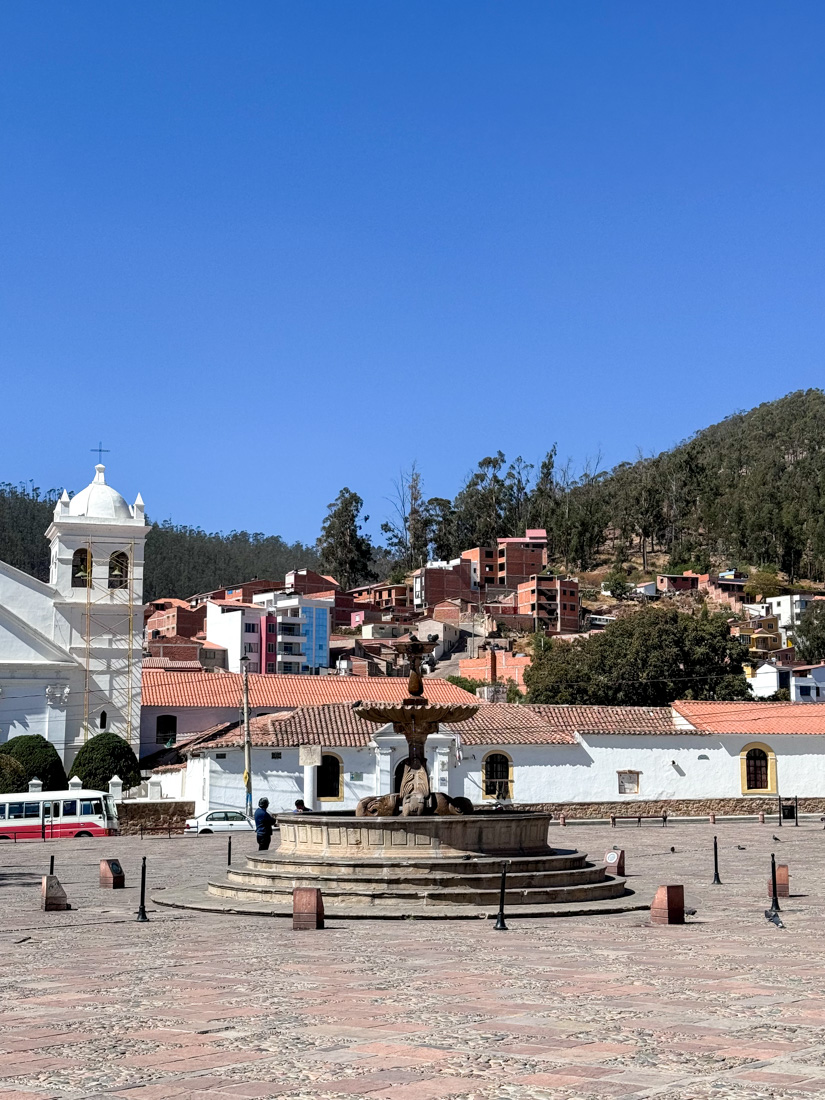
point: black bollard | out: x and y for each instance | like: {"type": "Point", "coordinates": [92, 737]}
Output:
{"type": "Point", "coordinates": [796, 810]}
{"type": "Point", "coordinates": [780, 809]}
{"type": "Point", "coordinates": [51, 865]}
{"type": "Point", "coordinates": [141, 913]}
{"type": "Point", "coordinates": [229, 852]}
{"type": "Point", "coordinates": [775, 900]}
{"type": "Point", "coordinates": [500, 926]}
{"type": "Point", "coordinates": [716, 880]}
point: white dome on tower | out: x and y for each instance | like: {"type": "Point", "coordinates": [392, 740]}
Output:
{"type": "Point", "coordinates": [100, 501]}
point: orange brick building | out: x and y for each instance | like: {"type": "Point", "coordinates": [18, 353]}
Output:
{"type": "Point", "coordinates": [552, 602]}
{"type": "Point", "coordinates": [495, 666]}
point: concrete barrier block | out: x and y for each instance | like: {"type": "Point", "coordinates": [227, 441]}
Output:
{"type": "Point", "coordinates": [668, 906]}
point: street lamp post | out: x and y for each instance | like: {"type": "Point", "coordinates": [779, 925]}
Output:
{"type": "Point", "coordinates": [247, 738]}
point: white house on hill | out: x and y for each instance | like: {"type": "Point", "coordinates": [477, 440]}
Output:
{"type": "Point", "coordinates": [70, 650]}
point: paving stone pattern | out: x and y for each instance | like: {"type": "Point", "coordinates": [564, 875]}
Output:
{"type": "Point", "coordinates": [209, 1007]}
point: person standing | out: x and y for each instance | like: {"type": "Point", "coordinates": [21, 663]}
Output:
{"type": "Point", "coordinates": [264, 822]}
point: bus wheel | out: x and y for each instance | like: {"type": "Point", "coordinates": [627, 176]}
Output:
{"type": "Point", "coordinates": [206, 832]}
{"type": "Point", "coordinates": [5, 837]}
{"type": "Point", "coordinates": [82, 834]}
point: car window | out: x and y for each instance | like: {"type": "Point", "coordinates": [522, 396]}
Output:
{"type": "Point", "coordinates": [234, 816]}
{"type": "Point", "coordinates": [216, 817]}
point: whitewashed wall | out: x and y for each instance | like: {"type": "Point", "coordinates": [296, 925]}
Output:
{"type": "Point", "coordinates": [683, 766]}
{"type": "Point", "coordinates": [217, 784]}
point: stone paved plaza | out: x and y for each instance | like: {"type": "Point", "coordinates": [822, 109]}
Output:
{"type": "Point", "coordinates": [204, 1006]}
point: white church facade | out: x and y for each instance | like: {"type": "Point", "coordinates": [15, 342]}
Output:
{"type": "Point", "coordinates": [70, 649]}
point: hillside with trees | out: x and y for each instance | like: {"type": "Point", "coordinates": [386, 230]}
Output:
{"type": "Point", "coordinates": [749, 492]}
{"type": "Point", "coordinates": [179, 560]}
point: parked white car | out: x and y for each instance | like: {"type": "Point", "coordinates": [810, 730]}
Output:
{"type": "Point", "coordinates": [218, 821]}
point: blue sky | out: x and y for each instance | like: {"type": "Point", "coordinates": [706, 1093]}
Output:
{"type": "Point", "coordinates": [265, 250]}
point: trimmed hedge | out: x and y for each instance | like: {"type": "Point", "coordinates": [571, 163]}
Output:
{"type": "Point", "coordinates": [39, 760]}
{"type": "Point", "coordinates": [103, 756]}
{"type": "Point", "coordinates": [12, 776]}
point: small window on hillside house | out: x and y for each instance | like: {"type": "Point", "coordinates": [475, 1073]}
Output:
{"type": "Point", "coordinates": [104, 720]}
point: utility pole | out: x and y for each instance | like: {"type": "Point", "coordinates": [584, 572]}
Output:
{"type": "Point", "coordinates": [247, 737]}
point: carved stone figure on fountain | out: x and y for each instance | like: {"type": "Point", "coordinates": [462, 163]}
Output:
{"type": "Point", "coordinates": [415, 719]}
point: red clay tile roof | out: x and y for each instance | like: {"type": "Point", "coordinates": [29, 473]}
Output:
{"type": "Point", "coordinates": [605, 720]}
{"type": "Point", "coordinates": [212, 689]}
{"type": "Point", "coordinates": [334, 726]}
{"type": "Point", "coordinates": [754, 719]}
{"type": "Point", "coordinates": [511, 724]}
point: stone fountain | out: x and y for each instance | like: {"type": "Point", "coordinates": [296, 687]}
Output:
{"type": "Point", "coordinates": [415, 719]}
{"type": "Point", "coordinates": [415, 853]}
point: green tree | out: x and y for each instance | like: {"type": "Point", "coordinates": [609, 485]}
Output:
{"type": "Point", "coordinates": [440, 517]}
{"type": "Point", "coordinates": [467, 684]}
{"type": "Point", "coordinates": [617, 584]}
{"type": "Point", "coordinates": [761, 585]}
{"type": "Point", "coordinates": [344, 551]}
{"type": "Point", "coordinates": [12, 776]}
{"type": "Point", "coordinates": [407, 529]}
{"type": "Point", "coordinates": [809, 635]}
{"type": "Point", "coordinates": [103, 756]}
{"type": "Point", "coordinates": [646, 659]}
{"type": "Point", "coordinates": [39, 760]}
{"type": "Point", "coordinates": [513, 693]}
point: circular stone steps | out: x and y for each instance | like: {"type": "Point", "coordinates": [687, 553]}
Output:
{"type": "Point", "coordinates": [560, 877]}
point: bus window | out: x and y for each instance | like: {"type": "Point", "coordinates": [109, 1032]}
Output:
{"type": "Point", "coordinates": [15, 809]}
{"type": "Point", "coordinates": [70, 808]}
{"type": "Point", "coordinates": [55, 809]}
{"type": "Point", "coordinates": [111, 806]}
{"type": "Point", "coordinates": [32, 809]}
{"type": "Point", "coordinates": [85, 807]}
{"type": "Point", "coordinates": [97, 806]}
{"type": "Point", "coordinates": [2, 811]}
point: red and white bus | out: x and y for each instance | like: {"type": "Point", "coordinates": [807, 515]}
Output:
{"type": "Point", "coordinates": [49, 815]}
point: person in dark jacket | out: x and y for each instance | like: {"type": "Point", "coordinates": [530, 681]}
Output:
{"type": "Point", "coordinates": [264, 822]}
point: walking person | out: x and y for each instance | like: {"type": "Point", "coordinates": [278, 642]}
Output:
{"type": "Point", "coordinates": [264, 822]}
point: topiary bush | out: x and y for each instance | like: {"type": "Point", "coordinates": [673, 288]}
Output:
{"type": "Point", "coordinates": [103, 756]}
{"type": "Point", "coordinates": [12, 776]}
{"type": "Point", "coordinates": [39, 760]}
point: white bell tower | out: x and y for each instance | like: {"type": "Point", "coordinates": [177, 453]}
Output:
{"type": "Point", "coordinates": [97, 542]}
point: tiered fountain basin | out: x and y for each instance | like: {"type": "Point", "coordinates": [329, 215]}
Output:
{"type": "Point", "coordinates": [412, 866]}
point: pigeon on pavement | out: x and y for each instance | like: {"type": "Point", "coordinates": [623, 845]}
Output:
{"type": "Point", "coordinates": [774, 918]}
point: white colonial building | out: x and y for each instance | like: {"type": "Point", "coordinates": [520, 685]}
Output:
{"type": "Point", "coordinates": [70, 650]}
{"type": "Point", "coordinates": [690, 758]}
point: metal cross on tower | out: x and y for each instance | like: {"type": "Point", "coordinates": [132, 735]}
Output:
{"type": "Point", "coordinates": [101, 451]}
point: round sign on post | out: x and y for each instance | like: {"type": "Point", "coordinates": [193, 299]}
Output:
{"type": "Point", "coordinates": [615, 860]}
